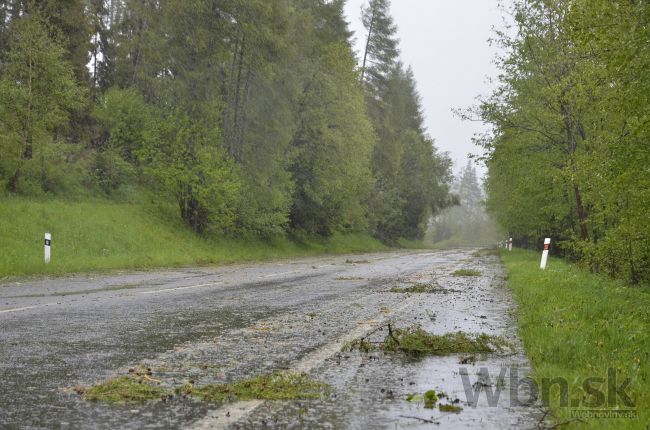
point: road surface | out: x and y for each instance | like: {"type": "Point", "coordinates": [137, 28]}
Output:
{"type": "Point", "coordinates": [213, 325]}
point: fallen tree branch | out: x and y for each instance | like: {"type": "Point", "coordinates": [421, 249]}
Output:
{"type": "Point", "coordinates": [542, 426]}
{"type": "Point", "coordinates": [148, 378]}
{"type": "Point", "coordinates": [424, 420]}
{"type": "Point", "coordinates": [392, 336]}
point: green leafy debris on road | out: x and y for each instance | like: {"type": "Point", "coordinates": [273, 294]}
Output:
{"type": "Point", "coordinates": [361, 344]}
{"type": "Point", "coordinates": [423, 288]}
{"type": "Point", "coordinates": [276, 386]}
{"type": "Point", "coordinates": [487, 252]}
{"type": "Point", "coordinates": [430, 399]}
{"type": "Point", "coordinates": [416, 289]}
{"type": "Point", "coordinates": [450, 408]}
{"type": "Point", "coordinates": [139, 387]}
{"type": "Point", "coordinates": [466, 272]}
{"type": "Point", "coordinates": [414, 397]}
{"type": "Point", "coordinates": [123, 389]}
{"type": "Point", "coordinates": [349, 278]}
{"type": "Point", "coordinates": [415, 340]}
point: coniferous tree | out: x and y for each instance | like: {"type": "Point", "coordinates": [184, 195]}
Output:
{"type": "Point", "coordinates": [248, 114]}
{"type": "Point", "coordinates": [334, 139]}
{"type": "Point", "coordinates": [381, 48]}
{"type": "Point", "coordinates": [410, 176]}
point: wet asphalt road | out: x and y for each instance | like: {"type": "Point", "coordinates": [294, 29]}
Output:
{"type": "Point", "coordinates": [223, 324]}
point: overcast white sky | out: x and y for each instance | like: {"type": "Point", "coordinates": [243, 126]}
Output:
{"type": "Point", "coordinates": [445, 41]}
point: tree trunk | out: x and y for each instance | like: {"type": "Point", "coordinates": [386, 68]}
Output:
{"type": "Point", "coordinates": [634, 278]}
{"type": "Point", "coordinates": [242, 126]}
{"type": "Point", "coordinates": [190, 209]}
{"type": "Point", "coordinates": [137, 54]}
{"type": "Point", "coordinates": [227, 121]}
{"type": "Point", "coordinates": [235, 125]}
{"type": "Point", "coordinates": [365, 52]}
{"type": "Point", "coordinates": [582, 217]}
{"type": "Point", "coordinates": [571, 149]}
{"type": "Point", "coordinates": [13, 183]}
{"type": "Point", "coordinates": [28, 149]}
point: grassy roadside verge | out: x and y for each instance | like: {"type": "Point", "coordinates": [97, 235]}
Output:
{"type": "Point", "coordinates": [576, 326]}
{"type": "Point", "coordinates": [103, 235]}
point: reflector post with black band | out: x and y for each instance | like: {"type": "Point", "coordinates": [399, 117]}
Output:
{"type": "Point", "coordinates": [510, 245]}
{"type": "Point", "coordinates": [48, 244]}
{"type": "Point", "coordinates": [547, 247]}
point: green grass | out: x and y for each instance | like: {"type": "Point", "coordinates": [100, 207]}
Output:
{"type": "Point", "coordinates": [103, 234]}
{"type": "Point", "coordinates": [576, 325]}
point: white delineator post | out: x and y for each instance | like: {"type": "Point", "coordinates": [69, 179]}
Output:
{"type": "Point", "coordinates": [510, 245]}
{"type": "Point", "coordinates": [48, 244]}
{"type": "Point", "coordinates": [547, 246]}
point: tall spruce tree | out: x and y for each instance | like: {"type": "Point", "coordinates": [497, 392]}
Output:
{"type": "Point", "coordinates": [410, 176]}
{"type": "Point", "coordinates": [381, 48]}
{"type": "Point", "coordinates": [333, 142]}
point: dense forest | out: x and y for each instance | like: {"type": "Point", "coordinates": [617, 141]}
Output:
{"type": "Point", "coordinates": [569, 149]}
{"type": "Point", "coordinates": [253, 116]}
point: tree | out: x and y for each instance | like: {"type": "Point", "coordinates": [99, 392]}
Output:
{"type": "Point", "coordinates": [186, 160]}
{"type": "Point", "coordinates": [611, 40]}
{"type": "Point", "coordinates": [248, 114]}
{"type": "Point", "coordinates": [381, 47]}
{"type": "Point", "coordinates": [332, 147]}
{"type": "Point", "coordinates": [171, 53]}
{"type": "Point", "coordinates": [410, 176]}
{"type": "Point", "coordinates": [67, 22]}
{"type": "Point", "coordinates": [572, 103]}
{"type": "Point", "coordinates": [537, 114]}
{"type": "Point", "coordinates": [38, 93]}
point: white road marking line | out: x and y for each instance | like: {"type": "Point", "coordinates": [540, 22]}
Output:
{"type": "Point", "coordinates": [227, 415]}
{"type": "Point", "coordinates": [164, 290]}
{"type": "Point", "coordinates": [273, 275]}
{"type": "Point", "coordinates": [169, 290]}
{"type": "Point", "coordinates": [26, 308]}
